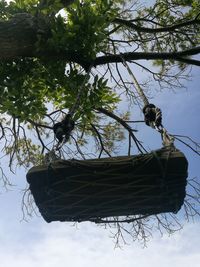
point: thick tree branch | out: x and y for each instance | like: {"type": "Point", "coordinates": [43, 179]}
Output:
{"type": "Point", "coordinates": [189, 61]}
{"type": "Point", "coordinates": [169, 28]}
{"type": "Point", "coordinates": [178, 56]}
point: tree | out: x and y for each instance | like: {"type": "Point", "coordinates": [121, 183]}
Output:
{"type": "Point", "coordinates": [61, 56]}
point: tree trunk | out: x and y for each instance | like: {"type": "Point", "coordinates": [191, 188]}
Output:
{"type": "Point", "coordinates": [18, 36]}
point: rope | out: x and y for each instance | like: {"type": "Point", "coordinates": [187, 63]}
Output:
{"type": "Point", "coordinates": [168, 139]}
{"type": "Point", "coordinates": [152, 114]}
{"type": "Point", "coordinates": [67, 124]}
{"type": "Point", "coordinates": [137, 86]}
{"type": "Point", "coordinates": [77, 102]}
{"type": "Point", "coordinates": [64, 128]}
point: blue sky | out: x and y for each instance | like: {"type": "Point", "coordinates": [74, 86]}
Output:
{"type": "Point", "coordinates": [36, 243]}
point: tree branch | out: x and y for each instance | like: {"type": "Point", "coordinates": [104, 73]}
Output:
{"type": "Point", "coordinates": [189, 61]}
{"type": "Point", "coordinates": [178, 56]}
{"type": "Point", "coordinates": [39, 124]}
{"type": "Point", "coordinates": [100, 140]}
{"type": "Point", "coordinates": [169, 28]}
{"type": "Point", "coordinates": [125, 125]}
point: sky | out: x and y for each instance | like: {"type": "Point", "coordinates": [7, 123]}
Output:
{"type": "Point", "coordinates": [60, 245]}
{"type": "Point", "coordinates": [37, 243]}
{"type": "Point", "coordinates": [56, 244]}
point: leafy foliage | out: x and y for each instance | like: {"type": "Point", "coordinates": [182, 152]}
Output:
{"type": "Point", "coordinates": [82, 32]}
{"type": "Point", "coordinates": [45, 83]}
{"type": "Point", "coordinates": [37, 82]}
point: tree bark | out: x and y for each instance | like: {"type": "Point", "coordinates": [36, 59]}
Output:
{"type": "Point", "coordinates": [18, 36]}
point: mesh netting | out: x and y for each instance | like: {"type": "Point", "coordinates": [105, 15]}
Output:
{"type": "Point", "coordinates": [91, 190]}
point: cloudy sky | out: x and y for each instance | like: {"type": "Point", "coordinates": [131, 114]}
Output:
{"type": "Point", "coordinates": [36, 243]}
{"type": "Point", "coordinates": [58, 244]}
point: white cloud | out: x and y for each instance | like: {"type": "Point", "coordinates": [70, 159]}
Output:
{"type": "Point", "coordinates": [60, 244]}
